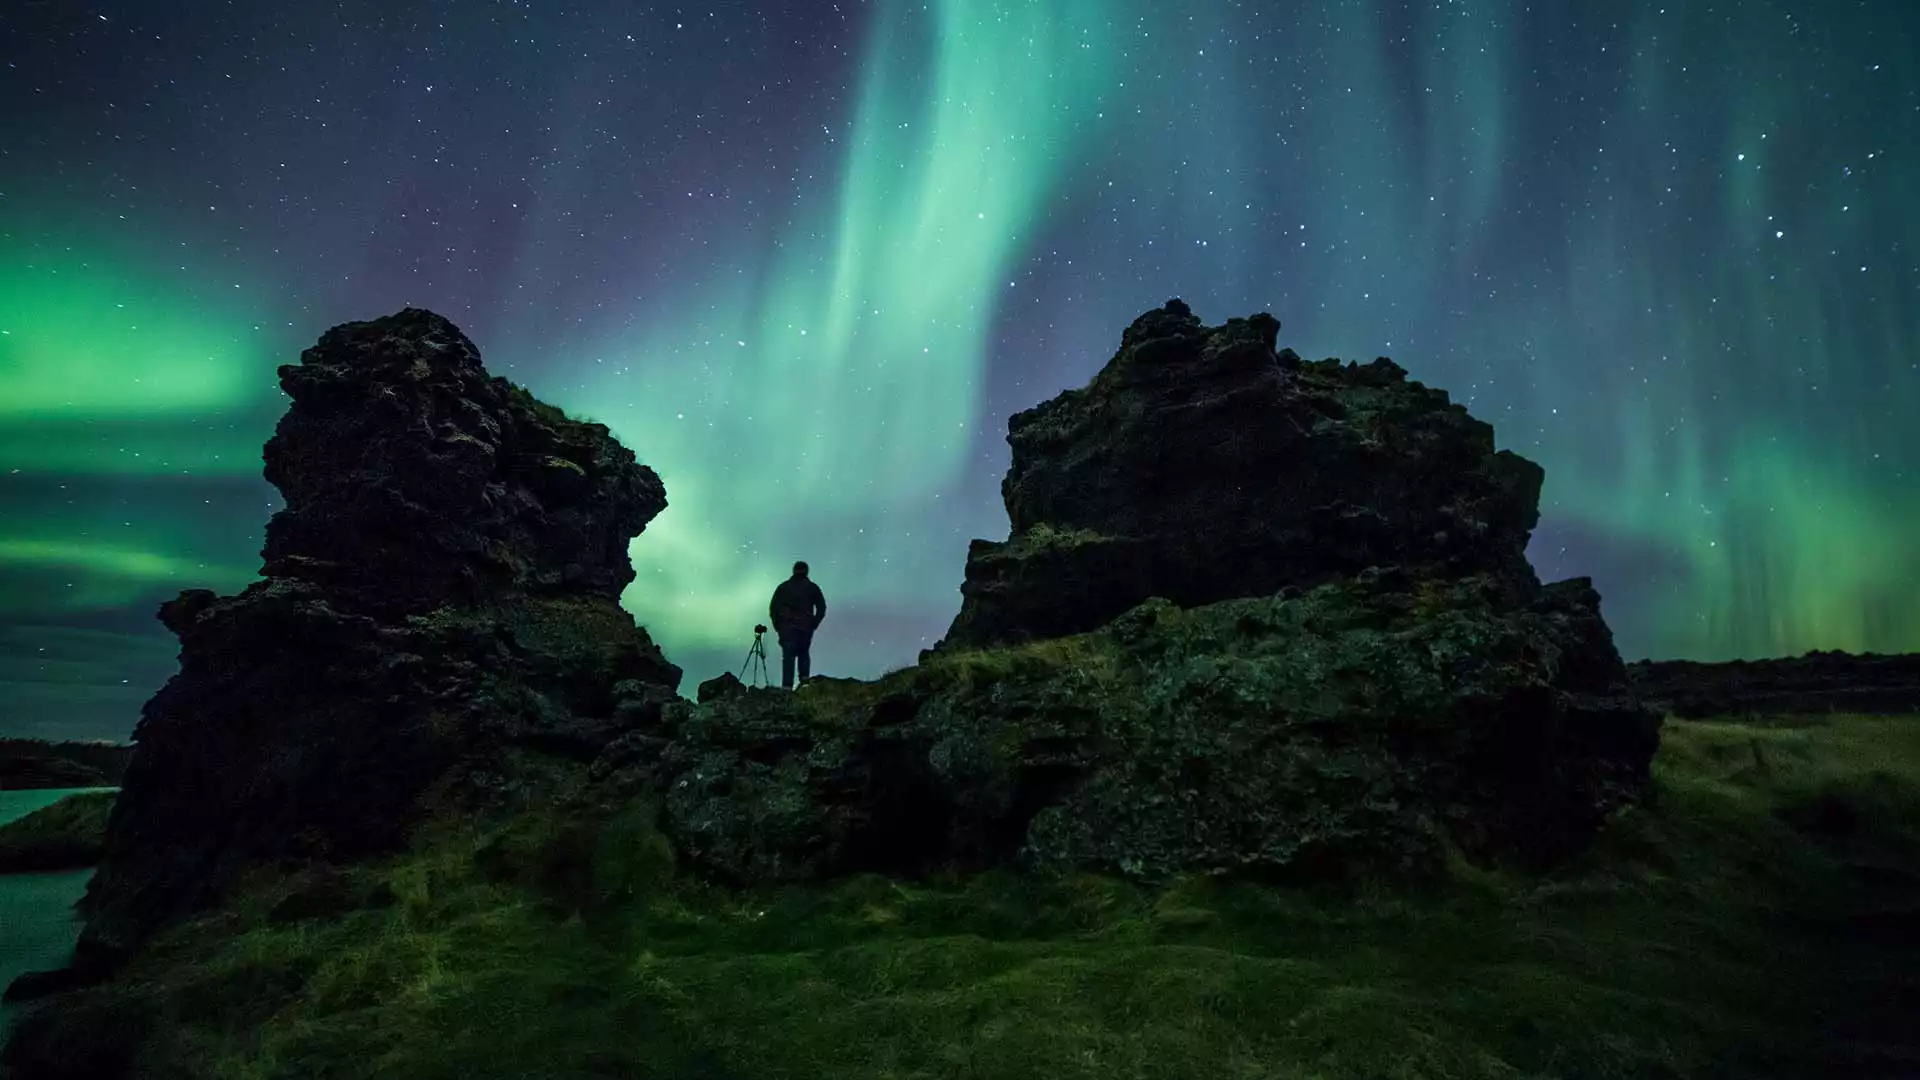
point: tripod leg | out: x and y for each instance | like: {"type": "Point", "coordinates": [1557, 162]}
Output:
{"type": "Point", "coordinates": [755, 665]}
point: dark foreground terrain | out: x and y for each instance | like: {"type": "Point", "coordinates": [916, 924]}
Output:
{"type": "Point", "coordinates": [1755, 917]}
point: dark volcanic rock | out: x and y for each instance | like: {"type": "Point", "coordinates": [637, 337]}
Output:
{"type": "Point", "coordinates": [39, 984]}
{"type": "Point", "coordinates": [1354, 725]}
{"type": "Point", "coordinates": [1201, 465]}
{"type": "Point", "coordinates": [442, 584]}
{"type": "Point", "coordinates": [725, 684]}
{"type": "Point", "coordinates": [413, 478]}
{"type": "Point", "coordinates": [1264, 615]}
{"type": "Point", "coordinates": [1817, 682]}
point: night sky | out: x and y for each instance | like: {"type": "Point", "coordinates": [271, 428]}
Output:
{"type": "Point", "coordinates": [805, 258]}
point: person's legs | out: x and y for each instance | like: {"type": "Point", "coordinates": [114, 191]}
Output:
{"type": "Point", "coordinates": [804, 648]}
{"type": "Point", "coordinates": [787, 651]}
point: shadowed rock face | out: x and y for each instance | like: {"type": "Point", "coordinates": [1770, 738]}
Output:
{"type": "Point", "coordinates": [442, 584]}
{"type": "Point", "coordinates": [1201, 465]}
{"type": "Point", "coordinates": [413, 478]}
{"type": "Point", "coordinates": [25, 772]}
{"type": "Point", "coordinates": [35, 763]}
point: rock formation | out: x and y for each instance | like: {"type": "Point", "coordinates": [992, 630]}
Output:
{"type": "Point", "coordinates": [1269, 617]}
{"type": "Point", "coordinates": [442, 584]}
{"type": "Point", "coordinates": [1201, 465]}
{"type": "Point", "coordinates": [1818, 682]}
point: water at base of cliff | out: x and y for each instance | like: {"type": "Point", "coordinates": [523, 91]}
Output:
{"type": "Point", "coordinates": [36, 910]}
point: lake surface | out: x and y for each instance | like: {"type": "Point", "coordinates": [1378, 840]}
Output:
{"type": "Point", "coordinates": [37, 925]}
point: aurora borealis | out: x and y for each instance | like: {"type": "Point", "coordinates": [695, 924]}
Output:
{"type": "Point", "coordinates": [806, 258]}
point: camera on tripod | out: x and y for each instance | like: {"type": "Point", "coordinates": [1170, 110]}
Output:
{"type": "Point", "coordinates": [754, 671]}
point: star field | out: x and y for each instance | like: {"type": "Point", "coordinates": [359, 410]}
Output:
{"type": "Point", "coordinates": [806, 257]}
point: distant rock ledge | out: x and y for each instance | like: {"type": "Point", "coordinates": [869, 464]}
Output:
{"type": "Point", "coordinates": [1818, 682]}
{"type": "Point", "coordinates": [35, 764]}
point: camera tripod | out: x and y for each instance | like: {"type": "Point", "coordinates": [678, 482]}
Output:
{"type": "Point", "coordinates": [753, 671]}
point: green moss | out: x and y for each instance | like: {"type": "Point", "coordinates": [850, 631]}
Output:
{"type": "Point", "coordinates": [63, 836]}
{"type": "Point", "coordinates": [1081, 656]}
{"type": "Point", "coordinates": [549, 414]}
{"type": "Point", "coordinates": [839, 705]}
{"type": "Point", "coordinates": [1044, 535]}
{"type": "Point", "coordinates": [1753, 919]}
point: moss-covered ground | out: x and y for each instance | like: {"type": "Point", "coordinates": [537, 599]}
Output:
{"type": "Point", "coordinates": [1758, 916]}
{"type": "Point", "coordinates": [63, 836]}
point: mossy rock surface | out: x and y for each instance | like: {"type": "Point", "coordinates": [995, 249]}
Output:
{"type": "Point", "coordinates": [1735, 925]}
{"type": "Point", "coordinates": [1363, 725]}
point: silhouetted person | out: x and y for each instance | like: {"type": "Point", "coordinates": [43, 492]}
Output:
{"type": "Point", "coordinates": [796, 611]}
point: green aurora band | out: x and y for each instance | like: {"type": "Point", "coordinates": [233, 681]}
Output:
{"type": "Point", "coordinates": [102, 423]}
{"type": "Point", "coordinates": [1715, 360]}
{"type": "Point", "coordinates": [853, 377]}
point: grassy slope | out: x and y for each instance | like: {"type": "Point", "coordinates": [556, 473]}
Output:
{"type": "Point", "coordinates": [63, 836]}
{"type": "Point", "coordinates": [1756, 918]}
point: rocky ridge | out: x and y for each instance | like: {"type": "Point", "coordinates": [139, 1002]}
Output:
{"type": "Point", "coordinates": [1818, 682]}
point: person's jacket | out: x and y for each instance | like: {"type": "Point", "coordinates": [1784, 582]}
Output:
{"type": "Point", "coordinates": [798, 604]}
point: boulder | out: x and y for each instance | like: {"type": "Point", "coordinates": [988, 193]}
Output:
{"type": "Point", "coordinates": [725, 684]}
{"type": "Point", "coordinates": [1200, 464]}
{"type": "Point", "coordinates": [442, 585]}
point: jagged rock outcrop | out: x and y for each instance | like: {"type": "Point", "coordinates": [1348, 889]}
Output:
{"type": "Point", "coordinates": [1817, 682]}
{"type": "Point", "coordinates": [1201, 465]}
{"type": "Point", "coordinates": [1270, 616]}
{"type": "Point", "coordinates": [443, 584]}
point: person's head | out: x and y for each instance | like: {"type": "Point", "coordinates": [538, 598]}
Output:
{"type": "Point", "coordinates": [800, 569]}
